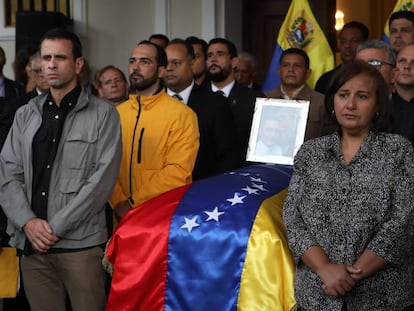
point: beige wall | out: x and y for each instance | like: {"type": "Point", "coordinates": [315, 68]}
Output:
{"type": "Point", "coordinates": [8, 47]}
{"type": "Point", "coordinates": [113, 28]}
{"type": "Point", "coordinates": [182, 12]}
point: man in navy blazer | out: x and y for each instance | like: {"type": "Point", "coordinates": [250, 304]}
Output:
{"type": "Point", "coordinates": [217, 151]}
{"type": "Point", "coordinates": [221, 59]}
{"type": "Point", "coordinates": [9, 89]}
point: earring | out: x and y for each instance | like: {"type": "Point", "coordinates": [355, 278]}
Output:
{"type": "Point", "coordinates": [333, 112]}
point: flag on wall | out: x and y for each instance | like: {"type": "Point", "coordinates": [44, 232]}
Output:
{"type": "Point", "coordinates": [301, 30]}
{"type": "Point", "coordinates": [218, 244]}
{"type": "Point", "coordinates": [401, 5]}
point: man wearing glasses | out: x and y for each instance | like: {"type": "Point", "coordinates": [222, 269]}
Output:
{"type": "Point", "coordinates": [380, 55]}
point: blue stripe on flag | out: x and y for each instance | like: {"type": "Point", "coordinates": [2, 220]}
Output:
{"type": "Point", "coordinates": [272, 79]}
{"type": "Point", "coordinates": [209, 234]}
{"type": "Point", "coordinates": [385, 38]}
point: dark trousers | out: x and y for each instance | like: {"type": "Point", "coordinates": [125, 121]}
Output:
{"type": "Point", "coordinates": [50, 278]}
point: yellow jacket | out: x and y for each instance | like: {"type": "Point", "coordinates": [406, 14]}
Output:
{"type": "Point", "coordinates": [160, 144]}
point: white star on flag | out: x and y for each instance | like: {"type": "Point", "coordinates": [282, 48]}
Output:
{"type": "Point", "coordinates": [260, 187]}
{"type": "Point", "coordinates": [190, 223]}
{"type": "Point", "coordinates": [244, 174]}
{"type": "Point", "coordinates": [258, 179]}
{"type": "Point", "coordinates": [251, 190]}
{"type": "Point", "coordinates": [236, 199]}
{"type": "Point", "coordinates": [214, 215]}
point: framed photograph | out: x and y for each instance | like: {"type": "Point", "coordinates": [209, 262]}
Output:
{"type": "Point", "coordinates": [278, 130]}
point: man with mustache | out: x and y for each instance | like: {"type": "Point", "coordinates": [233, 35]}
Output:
{"type": "Point", "coordinates": [160, 136]}
{"type": "Point", "coordinates": [293, 71]}
{"type": "Point", "coordinates": [221, 59]}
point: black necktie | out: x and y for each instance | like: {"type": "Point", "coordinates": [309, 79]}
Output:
{"type": "Point", "coordinates": [220, 92]}
{"type": "Point", "coordinates": [178, 96]}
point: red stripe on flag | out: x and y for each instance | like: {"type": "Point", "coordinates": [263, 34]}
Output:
{"type": "Point", "coordinates": [136, 284]}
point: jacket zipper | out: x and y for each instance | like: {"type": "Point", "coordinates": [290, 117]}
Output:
{"type": "Point", "coordinates": [130, 199]}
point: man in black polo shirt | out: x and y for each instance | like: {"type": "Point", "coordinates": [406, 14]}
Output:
{"type": "Point", "coordinates": [57, 168]}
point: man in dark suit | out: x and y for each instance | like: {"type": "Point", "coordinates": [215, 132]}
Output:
{"type": "Point", "coordinates": [217, 147]}
{"type": "Point", "coordinates": [200, 66]}
{"type": "Point", "coordinates": [350, 36]}
{"type": "Point", "coordinates": [245, 70]}
{"type": "Point", "coordinates": [9, 89]}
{"type": "Point", "coordinates": [221, 59]}
{"type": "Point", "coordinates": [12, 97]}
{"type": "Point", "coordinates": [10, 108]}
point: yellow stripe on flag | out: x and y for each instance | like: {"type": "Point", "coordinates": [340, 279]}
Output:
{"type": "Point", "coordinates": [301, 30]}
{"type": "Point", "coordinates": [268, 273]}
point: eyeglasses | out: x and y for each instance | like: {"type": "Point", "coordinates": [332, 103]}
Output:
{"type": "Point", "coordinates": [378, 63]}
{"type": "Point", "coordinates": [37, 71]}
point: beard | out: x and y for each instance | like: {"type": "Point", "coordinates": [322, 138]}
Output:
{"type": "Point", "coordinates": [139, 83]}
{"type": "Point", "coordinates": [218, 76]}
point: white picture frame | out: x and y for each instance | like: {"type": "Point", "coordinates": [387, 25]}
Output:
{"type": "Point", "coordinates": [278, 130]}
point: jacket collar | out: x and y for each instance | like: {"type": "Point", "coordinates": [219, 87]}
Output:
{"type": "Point", "coordinates": [146, 101]}
{"type": "Point", "coordinates": [40, 100]}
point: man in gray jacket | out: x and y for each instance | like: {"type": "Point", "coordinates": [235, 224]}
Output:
{"type": "Point", "coordinates": [57, 170]}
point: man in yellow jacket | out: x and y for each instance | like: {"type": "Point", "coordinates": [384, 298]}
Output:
{"type": "Point", "coordinates": [160, 135]}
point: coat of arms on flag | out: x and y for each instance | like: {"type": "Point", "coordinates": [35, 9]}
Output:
{"type": "Point", "coordinates": [217, 244]}
{"type": "Point", "coordinates": [301, 30]}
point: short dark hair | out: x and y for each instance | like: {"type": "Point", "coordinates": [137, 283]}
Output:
{"type": "Point", "coordinates": [194, 40]}
{"type": "Point", "coordinates": [100, 72]}
{"type": "Point", "coordinates": [297, 52]}
{"type": "Point", "coordinates": [401, 14]}
{"type": "Point", "coordinates": [187, 45]}
{"type": "Point", "coordinates": [230, 45]}
{"type": "Point", "coordinates": [160, 36]}
{"type": "Point", "coordinates": [354, 24]}
{"type": "Point", "coordinates": [385, 119]}
{"type": "Point", "coordinates": [60, 33]}
{"type": "Point", "coordinates": [161, 56]}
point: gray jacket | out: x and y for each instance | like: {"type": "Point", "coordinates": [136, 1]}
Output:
{"type": "Point", "coordinates": [83, 174]}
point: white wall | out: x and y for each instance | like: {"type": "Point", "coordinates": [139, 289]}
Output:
{"type": "Point", "coordinates": [114, 28]}
{"type": "Point", "coordinates": [110, 29]}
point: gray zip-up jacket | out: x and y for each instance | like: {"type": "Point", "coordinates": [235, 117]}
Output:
{"type": "Point", "coordinates": [83, 173]}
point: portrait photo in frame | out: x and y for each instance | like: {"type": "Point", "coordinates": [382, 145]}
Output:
{"type": "Point", "coordinates": [278, 130]}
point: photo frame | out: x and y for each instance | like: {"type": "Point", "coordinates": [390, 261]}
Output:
{"type": "Point", "coordinates": [278, 130]}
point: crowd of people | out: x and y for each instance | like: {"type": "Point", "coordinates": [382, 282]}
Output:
{"type": "Point", "coordinates": [76, 152]}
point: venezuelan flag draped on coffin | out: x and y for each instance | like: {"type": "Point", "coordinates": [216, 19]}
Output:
{"type": "Point", "coordinates": [217, 244]}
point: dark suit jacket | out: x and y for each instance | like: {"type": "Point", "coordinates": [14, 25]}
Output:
{"type": "Point", "coordinates": [8, 111]}
{"type": "Point", "coordinates": [217, 151]}
{"type": "Point", "coordinates": [324, 80]}
{"type": "Point", "coordinates": [256, 87]}
{"type": "Point", "coordinates": [12, 89]}
{"type": "Point", "coordinates": [242, 101]}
